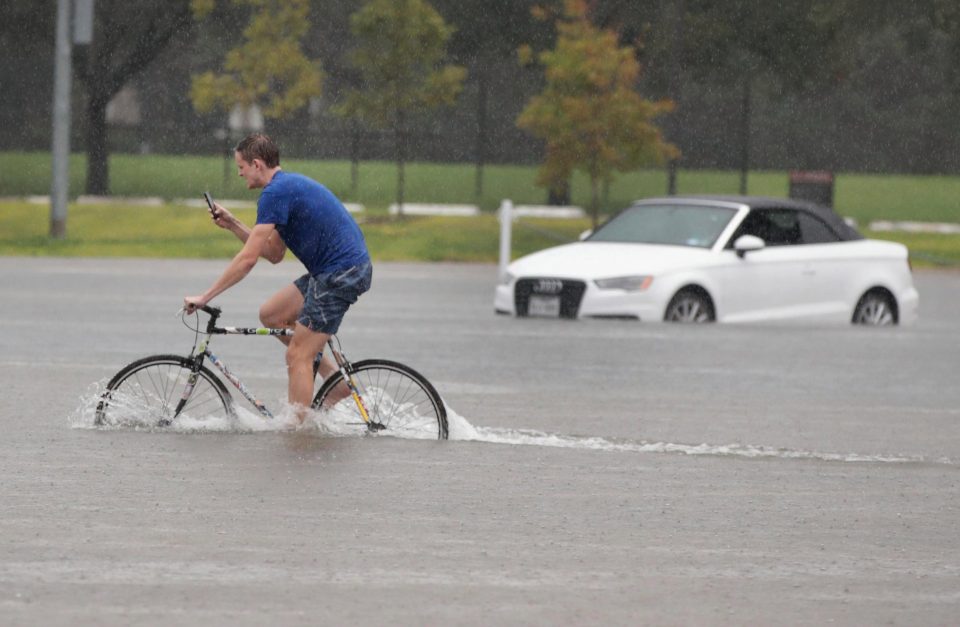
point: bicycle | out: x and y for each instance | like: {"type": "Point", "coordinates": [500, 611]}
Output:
{"type": "Point", "coordinates": [378, 394]}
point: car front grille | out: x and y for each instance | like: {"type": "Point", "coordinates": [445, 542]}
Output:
{"type": "Point", "coordinates": [570, 293]}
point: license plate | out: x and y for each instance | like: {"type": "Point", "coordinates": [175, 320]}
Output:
{"type": "Point", "coordinates": [548, 306]}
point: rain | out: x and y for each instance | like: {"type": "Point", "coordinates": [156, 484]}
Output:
{"type": "Point", "coordinates": [538, 467]}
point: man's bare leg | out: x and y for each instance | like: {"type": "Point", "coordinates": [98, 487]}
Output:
{"type": "Point", "coordinates": [281, 311]}
{"type": "Point", "coordinates": [327, 367]}
{"type": "Point", "coordinates": [303, 347]}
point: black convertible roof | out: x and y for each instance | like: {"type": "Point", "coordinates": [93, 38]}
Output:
{"type": "Point", "coordinates": [838, 224]}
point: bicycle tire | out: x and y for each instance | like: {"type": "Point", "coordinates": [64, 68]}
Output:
{"type": "Point", "coordinates": [146, 393]}
{"type": "Point", "coordinates": [397, 397]}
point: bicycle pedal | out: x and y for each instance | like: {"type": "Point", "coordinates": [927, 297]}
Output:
{"type": "Point", "coordinates": [376, 426]}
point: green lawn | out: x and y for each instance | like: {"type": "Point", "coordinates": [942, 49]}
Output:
{"type": "Point", "coordinates": [178, 231]}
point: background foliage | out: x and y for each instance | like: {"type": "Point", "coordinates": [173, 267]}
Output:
{"type": "Point", "coordinates": [848, 85]}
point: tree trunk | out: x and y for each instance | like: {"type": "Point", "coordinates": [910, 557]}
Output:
{"type": "Point", "coordinates": [98, 173]}
{"type": "Point", "coordinates": [559, 194]}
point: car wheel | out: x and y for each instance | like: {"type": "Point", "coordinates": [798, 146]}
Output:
{"type": "Point", "coordinates": [689, 306]}
{"type": "Point", "coordinates": [875, 309]}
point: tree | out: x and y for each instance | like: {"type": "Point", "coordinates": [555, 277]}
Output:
{"type": "Point", "coordinates": [732, 44]}
{"type": "Point", "coordinates": [128, 36]}
{"type": "Point", "coordinates": [400, 50]}
{"type": "Point", "coordinates": [487, 36]}
{"type": "Point", "coordinates": [590, 114]}
{"type": "Point", "coordinates": [269, 69]}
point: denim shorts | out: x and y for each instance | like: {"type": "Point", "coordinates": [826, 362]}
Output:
{"type": "Point", "coordinates": [327, 296]}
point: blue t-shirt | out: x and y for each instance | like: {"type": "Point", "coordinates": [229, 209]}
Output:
{"type": "Point", "coordinates": [312, 222]}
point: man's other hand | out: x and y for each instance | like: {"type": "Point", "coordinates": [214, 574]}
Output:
{"type": "Point", "coordinates": [193, 303]}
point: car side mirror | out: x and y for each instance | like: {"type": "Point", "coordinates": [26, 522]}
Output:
{"type": "Point", "coordinates": [585, 235]}
{"type": "Point", "coordinates": [748, 243]}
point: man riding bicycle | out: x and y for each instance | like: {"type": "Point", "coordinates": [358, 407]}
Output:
{"type": "Point", "coordinates": [298, 213]}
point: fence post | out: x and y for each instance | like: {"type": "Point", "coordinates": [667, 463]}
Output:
{"type": "Point", "coordinates": [506, 222]}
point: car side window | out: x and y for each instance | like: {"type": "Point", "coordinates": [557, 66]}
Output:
{"type": "Point", "coordinates": [776, 227]}
{"type": "Point", "coordinates": [816, 231]}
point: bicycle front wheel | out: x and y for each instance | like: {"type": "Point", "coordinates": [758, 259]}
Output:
{"type": "Point", "coordinates": [147, 392]}
{"type": "Point", "coordinates": [398, 400]}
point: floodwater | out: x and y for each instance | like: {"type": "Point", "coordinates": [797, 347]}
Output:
{"type": "Point", "coordinates": [596, 472]}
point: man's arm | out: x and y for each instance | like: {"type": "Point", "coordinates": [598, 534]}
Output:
{"type": "Point", "coordinates": [272, 252]}
{"type": "Point", "coordinates": [255, 246]}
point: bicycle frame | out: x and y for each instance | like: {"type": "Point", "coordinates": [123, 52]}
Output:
{"type": "Point", "coordinates": [202, 350]}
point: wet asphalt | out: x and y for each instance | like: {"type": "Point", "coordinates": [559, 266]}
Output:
{"type": "Point", "coordinates": [618, 473]}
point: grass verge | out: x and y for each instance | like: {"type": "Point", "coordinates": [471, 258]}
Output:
{"type": "Point", "coordinates": [178, 231]}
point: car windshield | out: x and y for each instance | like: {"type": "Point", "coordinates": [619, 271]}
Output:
{"type": "Point", "coordinates": [671, 225]}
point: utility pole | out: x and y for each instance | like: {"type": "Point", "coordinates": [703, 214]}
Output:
{"type": "Point", "coordinates": [60, 151]}
{"type": "Point", "coordinates": [80, 22]}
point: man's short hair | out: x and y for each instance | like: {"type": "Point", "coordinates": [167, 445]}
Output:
{"type": "Point", "coordinates": [259, 146]}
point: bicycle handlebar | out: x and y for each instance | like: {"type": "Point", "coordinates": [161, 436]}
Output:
{"type": "Point", "coordinates": [213, 312]}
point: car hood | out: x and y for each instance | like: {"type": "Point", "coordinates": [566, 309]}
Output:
{"type": "Point", "coordinates": [588, 260]}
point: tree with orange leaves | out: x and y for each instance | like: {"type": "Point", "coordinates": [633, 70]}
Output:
{"type": "Point", "coordinates": [590, 113]}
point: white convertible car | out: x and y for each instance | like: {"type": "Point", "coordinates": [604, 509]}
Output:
{"type": "Point", "coordinates": [717, 258]}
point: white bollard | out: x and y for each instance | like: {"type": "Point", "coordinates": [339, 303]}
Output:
{"type": "Point", "coordinates": [506, 222]}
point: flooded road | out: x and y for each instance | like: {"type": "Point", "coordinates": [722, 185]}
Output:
{"type": "Point", "coordinates": [597, 472]}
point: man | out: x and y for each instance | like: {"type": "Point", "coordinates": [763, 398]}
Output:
{"type": "Point", "coordinates": [298, 213]}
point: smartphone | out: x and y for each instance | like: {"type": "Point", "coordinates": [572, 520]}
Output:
{"type": "Point", "coordinates": [209, 199]}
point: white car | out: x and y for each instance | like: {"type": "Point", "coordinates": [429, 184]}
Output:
{"type": "Point", "coordinates": [717, 258]}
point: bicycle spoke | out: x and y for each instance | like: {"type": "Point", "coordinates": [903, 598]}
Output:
{"type": "Point", "coordinates": [395, 397]}
{"type": "Point", "coordinates": [147, 391]}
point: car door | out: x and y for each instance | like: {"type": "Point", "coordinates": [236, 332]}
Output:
{"type": "Point", "coordinates": [825, 269]}
{"type": "Point", "coordinates": [767, 284]}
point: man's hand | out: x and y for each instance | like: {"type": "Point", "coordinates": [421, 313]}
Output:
{"type": "Point", "coordinates": [193, 303]}
{"type": "Point", "coordinates": [221, 217]}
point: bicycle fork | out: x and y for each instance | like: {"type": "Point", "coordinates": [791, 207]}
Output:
{"type": "Point", "coordinates": [351, 383]}
{"type": "Point", "coordinates": [188, 388]}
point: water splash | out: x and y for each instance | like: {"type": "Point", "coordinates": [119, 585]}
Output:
{"type": "Point", "coordinates": [133, 412]}
{"type": "Point", "coordinates": [342, 423]}
{"type": "Point", "coordinates": [461, 429]}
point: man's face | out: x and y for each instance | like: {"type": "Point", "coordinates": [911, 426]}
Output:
{"type": "Point", "coordinates": [252, 173]}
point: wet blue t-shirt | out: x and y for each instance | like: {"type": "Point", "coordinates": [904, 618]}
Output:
{"type": "Point", "coordinates": [312, 222]}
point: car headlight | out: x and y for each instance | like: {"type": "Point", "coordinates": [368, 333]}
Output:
{"type": "Point", "coordinates": [506, 279]}
{"type": "Point", "coordinates": [627, 283]}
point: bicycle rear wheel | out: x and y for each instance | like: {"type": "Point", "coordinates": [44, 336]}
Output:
{"type": "Point", "coordinates": [146, 393]}
{"type": "Point", "coordinates": [398, 399]}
